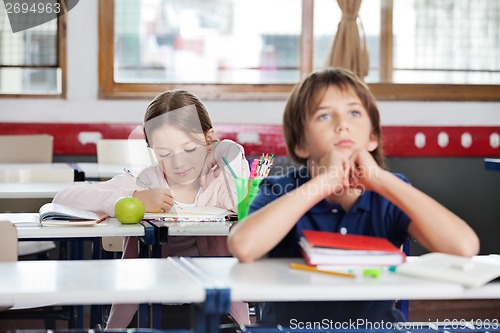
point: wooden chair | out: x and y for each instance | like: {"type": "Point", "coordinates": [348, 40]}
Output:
{"type": "Point", "coordinates": [131, 152]}
{"type": "Point", "coordinates": [28, 149]}
{"type": "Point", "coordinates": [8, 242]}
{"type": "Point", "coordinates": [37, 148]}
{"type": "Point", "coordinates": [8, 246]}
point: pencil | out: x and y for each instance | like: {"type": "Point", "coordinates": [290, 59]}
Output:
{"type": "Point", "coordinates": [137, 178]}
{"type": "Point", "coordinates": [253, 169]}
{"type": "Point", "coordinates": [314, 269]}
{"type": "Point", "coordinates": [229, 167]}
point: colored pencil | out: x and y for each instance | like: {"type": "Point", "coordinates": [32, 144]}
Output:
{"type": "Point", "coordinates": [314, 269]}
{"type": "Point", "coordinates": [229, 167]}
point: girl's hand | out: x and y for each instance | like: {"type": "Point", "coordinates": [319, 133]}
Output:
{"type": "Point", "coordinates": [364, 170]}
{"type": "Point", "coordinates": [333, 168]}
{"type": "Point", "coordinates": [155, 200]}
{"type": "Point", "coordinates": [210, 169]}
{"type": "Point", "coordinates": [214, 164]}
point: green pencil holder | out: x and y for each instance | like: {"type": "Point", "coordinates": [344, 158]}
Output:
{"type": "Point", "coordinates": [246, 190]}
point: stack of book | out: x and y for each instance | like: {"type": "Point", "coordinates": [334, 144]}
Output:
{"type": "Point", "coordinates": [321, 248]}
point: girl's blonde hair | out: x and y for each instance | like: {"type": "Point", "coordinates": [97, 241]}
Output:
{"type": "Point", "coordinates": [175, 100]}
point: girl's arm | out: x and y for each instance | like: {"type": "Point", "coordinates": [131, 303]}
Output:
{"type": "Point", "coordinates": [101, 197]}
{"type": "Point", "coordinates": [432, 225]}
{"type": "Point", "coordinates": [98, 197]}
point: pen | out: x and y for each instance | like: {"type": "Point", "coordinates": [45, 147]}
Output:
{"type": "Point", "coordinates": [314, 269]}
{"type": "Point", "coordinates": [146, 185]}
{"type": "Point", "coordinates": [137, 178]}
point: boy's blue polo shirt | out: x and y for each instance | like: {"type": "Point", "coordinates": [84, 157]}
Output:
{"type": "Point", "coordinates": [371, 215]}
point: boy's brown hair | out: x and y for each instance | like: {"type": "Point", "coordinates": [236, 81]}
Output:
{"type": "Point", "coordinates": [172, 100]}
{"type": "Point", "coordinates": [304, 100]}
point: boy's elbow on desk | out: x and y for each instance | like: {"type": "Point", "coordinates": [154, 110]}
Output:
{"type": "Point", "coordinates": [470, 246]}
{"type": "Point", "coordinates": [240, 248]}
{"type": "Point", "coordinates": [466, 246]}
{"type": "Point", "coordinates": [467, 243]}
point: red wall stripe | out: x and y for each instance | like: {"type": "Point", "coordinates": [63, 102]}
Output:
{"type": "Point", "coordinates": [399, 141]}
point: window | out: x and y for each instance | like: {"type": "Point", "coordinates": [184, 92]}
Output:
{"type": "Point", "coordinates": [32, 61]}
{"type": "Point", "coordinates": [419, 49]}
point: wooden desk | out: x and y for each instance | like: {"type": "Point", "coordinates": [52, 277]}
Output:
{"type": "Point", "coordinates": [97, 282]}
{"type": "Point", "coordinates": [109, 281]}
{"type": "Point", "coordinates": [164, 230]}
{"type": "Point", "coordinates": [28, 228]}
{"type": "Point", "coordinates": [81, 171]}
{"type": "Point", "coordinates": [35, 166]}
{"type": "Point", "coordinates": [53, 171]}
{"type": "Point", "coordinates": [198, 280]}
{"type": "Point", "coordinates": [273, 280]}
{"type": "Point", "coordinates": [95, 171]}
{"type": "Point", "coordinates": [31, 190]}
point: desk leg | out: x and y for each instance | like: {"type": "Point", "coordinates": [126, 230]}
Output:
{"type": "Point", "coordinates": [96, 314]}
{"type": "Point", "coordinates": [156, 251]}
{"type": "Point", "coordinates": [143, 250]}
{"type": "Point", "coordinates": [77, 321]}
{"type": "Point", "coordinates": [217, 303]}
{"type": "Point", "coordinates": [96, 249]}
{"type": "Point", "coordinates": [200, 322]}
{"type": "Point", "coordinates": [143, 317]}
{"type": "Point", "coordinates": [76, 247]}
{"type": "Point", "coordinates": [156, 235]}
{"type": "Point", "coordinates": [157, 316]}
{"type": "Point", "coordinates": [63, 250]}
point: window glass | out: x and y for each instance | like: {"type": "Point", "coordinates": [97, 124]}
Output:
{"type": "Point", "coordinates": [29, 62]}
{"type": "Point", "coordinates": [252, 49]}
{"type": "Point", "coordinates": [207, 41]}
{"type": "Point", "coordinates": [447, 41]}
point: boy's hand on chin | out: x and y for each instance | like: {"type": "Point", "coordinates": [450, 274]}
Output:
{"type": "Point", "coordinates": [334, 169]}
{"type": "Point", "coordinates": [364, 170]}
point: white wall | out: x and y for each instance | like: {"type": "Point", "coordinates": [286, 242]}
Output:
{"type": "Point", "coordinates": [82, 104]}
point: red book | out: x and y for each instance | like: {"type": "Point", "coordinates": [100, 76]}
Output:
{"type": "Point", "coordinates": [331, 248]}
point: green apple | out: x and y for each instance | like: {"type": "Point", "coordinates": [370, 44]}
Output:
{"type": "Point", "coordinates": [129, 210]}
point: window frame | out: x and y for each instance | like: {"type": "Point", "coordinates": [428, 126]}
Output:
{"type": "Point", "coordinates": [61, 54]}
{"type": "Point", "coordinates": [382, 91]}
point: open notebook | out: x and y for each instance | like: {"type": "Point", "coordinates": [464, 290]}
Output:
{"type": "Point", "coordinates": [194, 214]}
{"type": "Point", "coordinates": [52, 214]}
{"type": "Point", "coordinates": [470, 272]}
